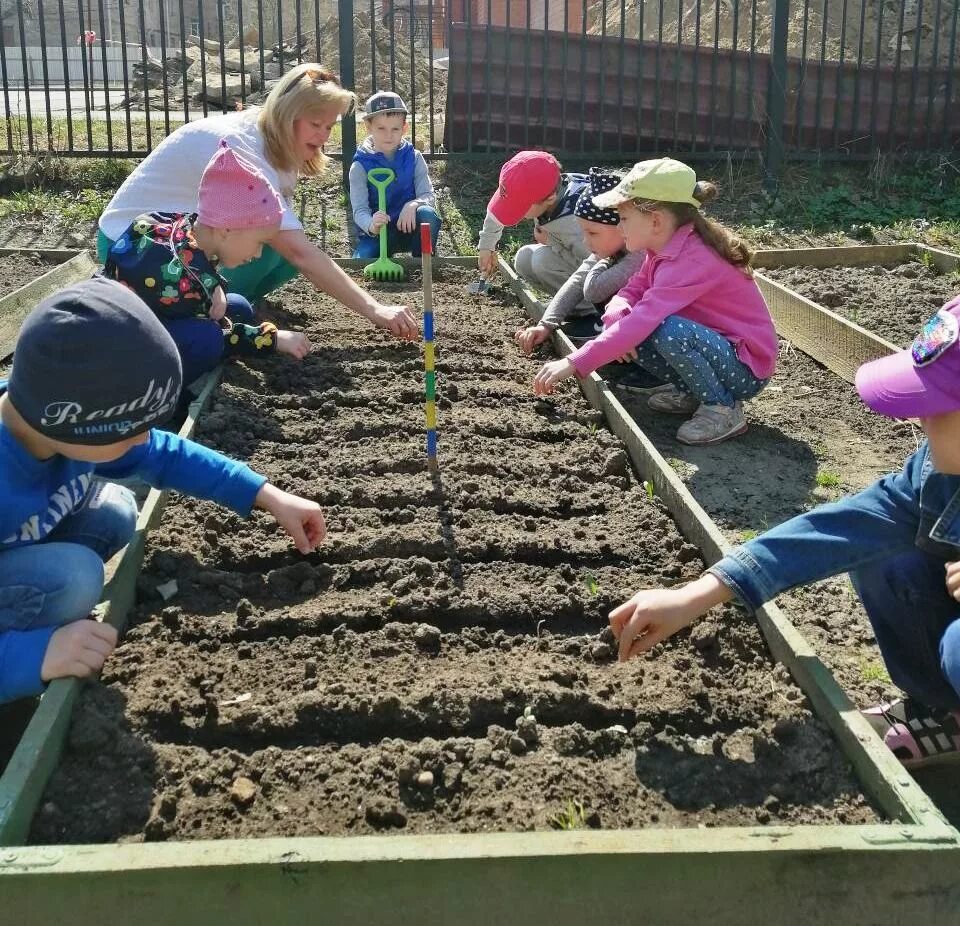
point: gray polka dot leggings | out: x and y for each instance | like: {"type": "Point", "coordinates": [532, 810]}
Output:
{"type": "Point", "coordinates": [699, 361]}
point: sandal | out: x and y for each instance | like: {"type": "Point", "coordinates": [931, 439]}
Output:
{"type": "Point", "coordinates": [917, 735]}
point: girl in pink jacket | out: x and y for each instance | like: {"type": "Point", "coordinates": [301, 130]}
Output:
{"type": "Point", "coordinates": [692, 315]}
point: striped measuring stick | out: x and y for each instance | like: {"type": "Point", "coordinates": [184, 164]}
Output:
{"type": "Point", "coordinates": [429, 373]}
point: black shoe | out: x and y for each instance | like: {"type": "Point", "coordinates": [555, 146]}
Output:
{"type": "Point", "coordinates": [583, 329]}
{"type": "Point", "coordinates": [638, 381]}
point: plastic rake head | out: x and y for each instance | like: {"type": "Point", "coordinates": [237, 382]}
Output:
{"type": "Point", "coordinates": [382, 269]}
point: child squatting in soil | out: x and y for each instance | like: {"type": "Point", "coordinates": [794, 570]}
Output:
{"type": "Point", "coordinates": [94, 375]}
{"type": "Point", "coordinates": [532, 187]}
{"type": "Point", "coordinates": [899, 539]}
{"type": "Point", "coordinates": [607, 269]}
{"type": "Point", "coordinates": [693, 316]}
{"type": "Point", "coordinates": [171, 261]}
{"type": "Point", "coordinates": [409, 197]}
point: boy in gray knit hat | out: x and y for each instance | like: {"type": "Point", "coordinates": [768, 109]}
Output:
{"type": "Point", "coordinates": [94, 375]}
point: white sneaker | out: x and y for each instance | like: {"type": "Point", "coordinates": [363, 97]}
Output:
{"type": "Point", "coordinates": [712, 424]}
{"type": "Point", "coordinates": [673, 401]}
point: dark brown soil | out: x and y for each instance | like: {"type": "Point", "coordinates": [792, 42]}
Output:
{"type": "Point", "coordinates": [17, 270]}
{"type": "Point", "coordinates": [380, 683]}
{"type": "Point", "coordinates": [892, 301]}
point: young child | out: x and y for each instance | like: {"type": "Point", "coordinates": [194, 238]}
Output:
{"type": "Point", "coordinates": [692, 316]}
{"type": "Point", "coordinates": [410, 199]}
{"type": "Point", "coordinates": [171, 261]}
{"type": "Point", "coordinates": [899, 539]}
{"type": "Point", "coordinates": [607, 269]}
{"type": "Point", "coordinates": [532, 187]}
{"type": "Point", "coordinates": [93, 375]}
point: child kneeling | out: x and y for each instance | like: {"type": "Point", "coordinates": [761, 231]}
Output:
{"type": "Point", "coordinates": [93, 375]}
{"type": "Point", "coordinates": [171, 262]}
{"type": "Point", "coordinates": [693, 315]}
{"type": "Point", "coordinates": [410, 201]}
{"type": "Point", "coordinates": [899, 539]}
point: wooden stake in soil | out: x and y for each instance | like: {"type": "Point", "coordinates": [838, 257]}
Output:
{"type": "Point", "coordinates": [429, 374]}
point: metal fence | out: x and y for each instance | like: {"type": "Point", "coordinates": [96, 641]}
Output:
{"type": "Point", "coordinates": [605, 78]}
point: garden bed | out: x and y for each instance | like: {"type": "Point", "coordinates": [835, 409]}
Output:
{"type": "Point", "coordinates": [377, 684]}
{"type": "Point", "coordinates": [892, 300]}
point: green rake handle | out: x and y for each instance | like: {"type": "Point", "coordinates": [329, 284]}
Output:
{"type": "Point", "coordinates": [381, 178]}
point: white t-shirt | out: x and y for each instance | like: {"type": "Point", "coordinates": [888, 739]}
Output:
{"type": "Point", "coordinates": [168, 179]}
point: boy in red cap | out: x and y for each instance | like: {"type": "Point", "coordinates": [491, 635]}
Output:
{"type": "Point", "coordinates": [899, 539]}
{"type": "Point", "coordinates": [533, 187]}
{"type": "Point", "coordinates": [171, 262]}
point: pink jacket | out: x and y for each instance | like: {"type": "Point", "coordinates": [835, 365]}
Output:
{"type": "Point", "coordinates": [687, 278]}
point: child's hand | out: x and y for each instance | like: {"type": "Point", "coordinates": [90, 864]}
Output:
{"type": "Point", "coordinates": [407, 220]}
{"type": "Point", "coordinates": [487, 263]}
{"type": "Point", "coordinates": [218, 304]}
{"type": "Point", "coordinates": [628, 357]}
{"type": "Point", "coordinates": [294, 343]}
{"type": "Point", "coordinates": [539, 235]}
{"type": "Point", "coordinates": [78, 649]}
{"type": "Point", "coordinates": [379, 219]}
{"type": "Point", "coordinates": [953, 580]}
{"type": "Point", "coordinates": [530, 337]}
{"type": "Point", "coordinates": [398, 320]}
{"type": "Point", "coordinates": [299, 517]}
{"type": "Point", "coordinates": [550, 374]}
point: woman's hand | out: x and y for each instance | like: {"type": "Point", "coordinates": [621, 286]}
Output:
{"type": "Point", "coordinates": [398, 320]}
{"type": "Point", "coordinates": [531, 337]}
{"type": "Point", "coordinates": [299, 517]}
{"type": "Point", "coordinates": [550, 374]}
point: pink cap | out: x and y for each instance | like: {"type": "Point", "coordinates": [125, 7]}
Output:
{"type": "Point", "coordinates": [896, 387]}
{"type": "Point", "coordinates": [527, 178]}
{"type": "Point", "coordinates": [235, 194]}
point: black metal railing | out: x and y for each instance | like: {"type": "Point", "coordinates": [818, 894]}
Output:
{"type": "Point", "coordinates": [612, 79]}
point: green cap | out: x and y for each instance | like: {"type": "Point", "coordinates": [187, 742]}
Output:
{"type": "Point", "coordinates": [661, 179]}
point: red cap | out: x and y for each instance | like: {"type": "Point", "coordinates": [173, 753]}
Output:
{"type": "Point", "coordinates": [527, 178]}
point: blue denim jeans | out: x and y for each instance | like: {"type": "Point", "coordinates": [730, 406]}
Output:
{"type": "Point", "coordinates": [200, 341]}
{"type": "Point", "coordinates": [60, 579]}
{"type": "Point", "coordinates": [894, 538]}
{"type": "Point", "coordinates": [397, 241]}
{"type": "Point", "coordinates": [698, 361]}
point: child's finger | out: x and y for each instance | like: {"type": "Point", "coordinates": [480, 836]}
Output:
{"type": "Point", "coordinates": [619, 616]}
{"type": "Point", "coordinates": [634, 628]}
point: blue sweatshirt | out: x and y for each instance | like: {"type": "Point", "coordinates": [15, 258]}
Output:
{"type": "Point", "coordinates": [36, 495]}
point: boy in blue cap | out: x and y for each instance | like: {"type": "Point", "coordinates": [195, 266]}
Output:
{"type": "Point", "coordinates": [94, 374]}
{"type": "Point", "coordinates": [410, 200]}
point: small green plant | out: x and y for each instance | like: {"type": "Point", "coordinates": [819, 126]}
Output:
{"type": "Point", "coordinates": [873, 672]}
{"type": "Point", "coordinates": [926, 259]}
{"type": "Point", "coordinates": [648, 485]}
{"type": "Point", "coordinates": [572, 817]}
{"type": "Point", "coordinates": [748, 534]}
{"type": "Point", "coordinates": [826, 479]}
{"type": "Point", "coordinates": [593, 586]}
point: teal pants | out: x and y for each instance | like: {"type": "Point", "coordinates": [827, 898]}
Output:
{"type": "Point", "coordinates": [253, 281]}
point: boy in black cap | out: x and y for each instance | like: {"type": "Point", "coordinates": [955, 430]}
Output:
{"type": "Point", "coordinates": [410, 200]}
{"type": "Point", "coordinates": [93, 374]}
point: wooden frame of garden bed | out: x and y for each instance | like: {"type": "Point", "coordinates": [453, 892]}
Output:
{"type": "Point", "coordinates": [880, 873]}
{"type": "Point", "coordinates": [77, 265]}
{"type": "Point", "coordinates": [838, 343]}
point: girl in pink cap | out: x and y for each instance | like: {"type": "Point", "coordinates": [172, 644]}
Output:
{"type": "Point", "coordinates": [899, 540]}
{"type": "Point", "coordinates": [173, 263]}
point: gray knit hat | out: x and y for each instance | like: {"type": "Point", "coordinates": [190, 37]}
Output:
{"type": "Point", "coordinates": [600, 182]}
{"type": "Point", "coordinates": [93, 365]}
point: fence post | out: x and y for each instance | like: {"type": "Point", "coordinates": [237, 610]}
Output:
{"type": "Point", "coordinates": [348, 123]}
{"type": "Point", "coordinates": [776, 94]}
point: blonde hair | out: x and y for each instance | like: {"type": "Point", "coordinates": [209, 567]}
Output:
{"type": "Point", "coordinates": [303, 92]}
{"type": "Point", "coordinates": [730, 247]}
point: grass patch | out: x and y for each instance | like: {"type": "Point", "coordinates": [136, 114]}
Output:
{"type": "Point", "coordinates": [874, 672]}
{"type": "Point", "coordinates": [826, 479]}
{"type": "Point", "coordinates": [572, 817]}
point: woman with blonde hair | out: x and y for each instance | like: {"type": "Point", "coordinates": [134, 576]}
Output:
{"type": "Point", "coordinates": [283, 139]}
